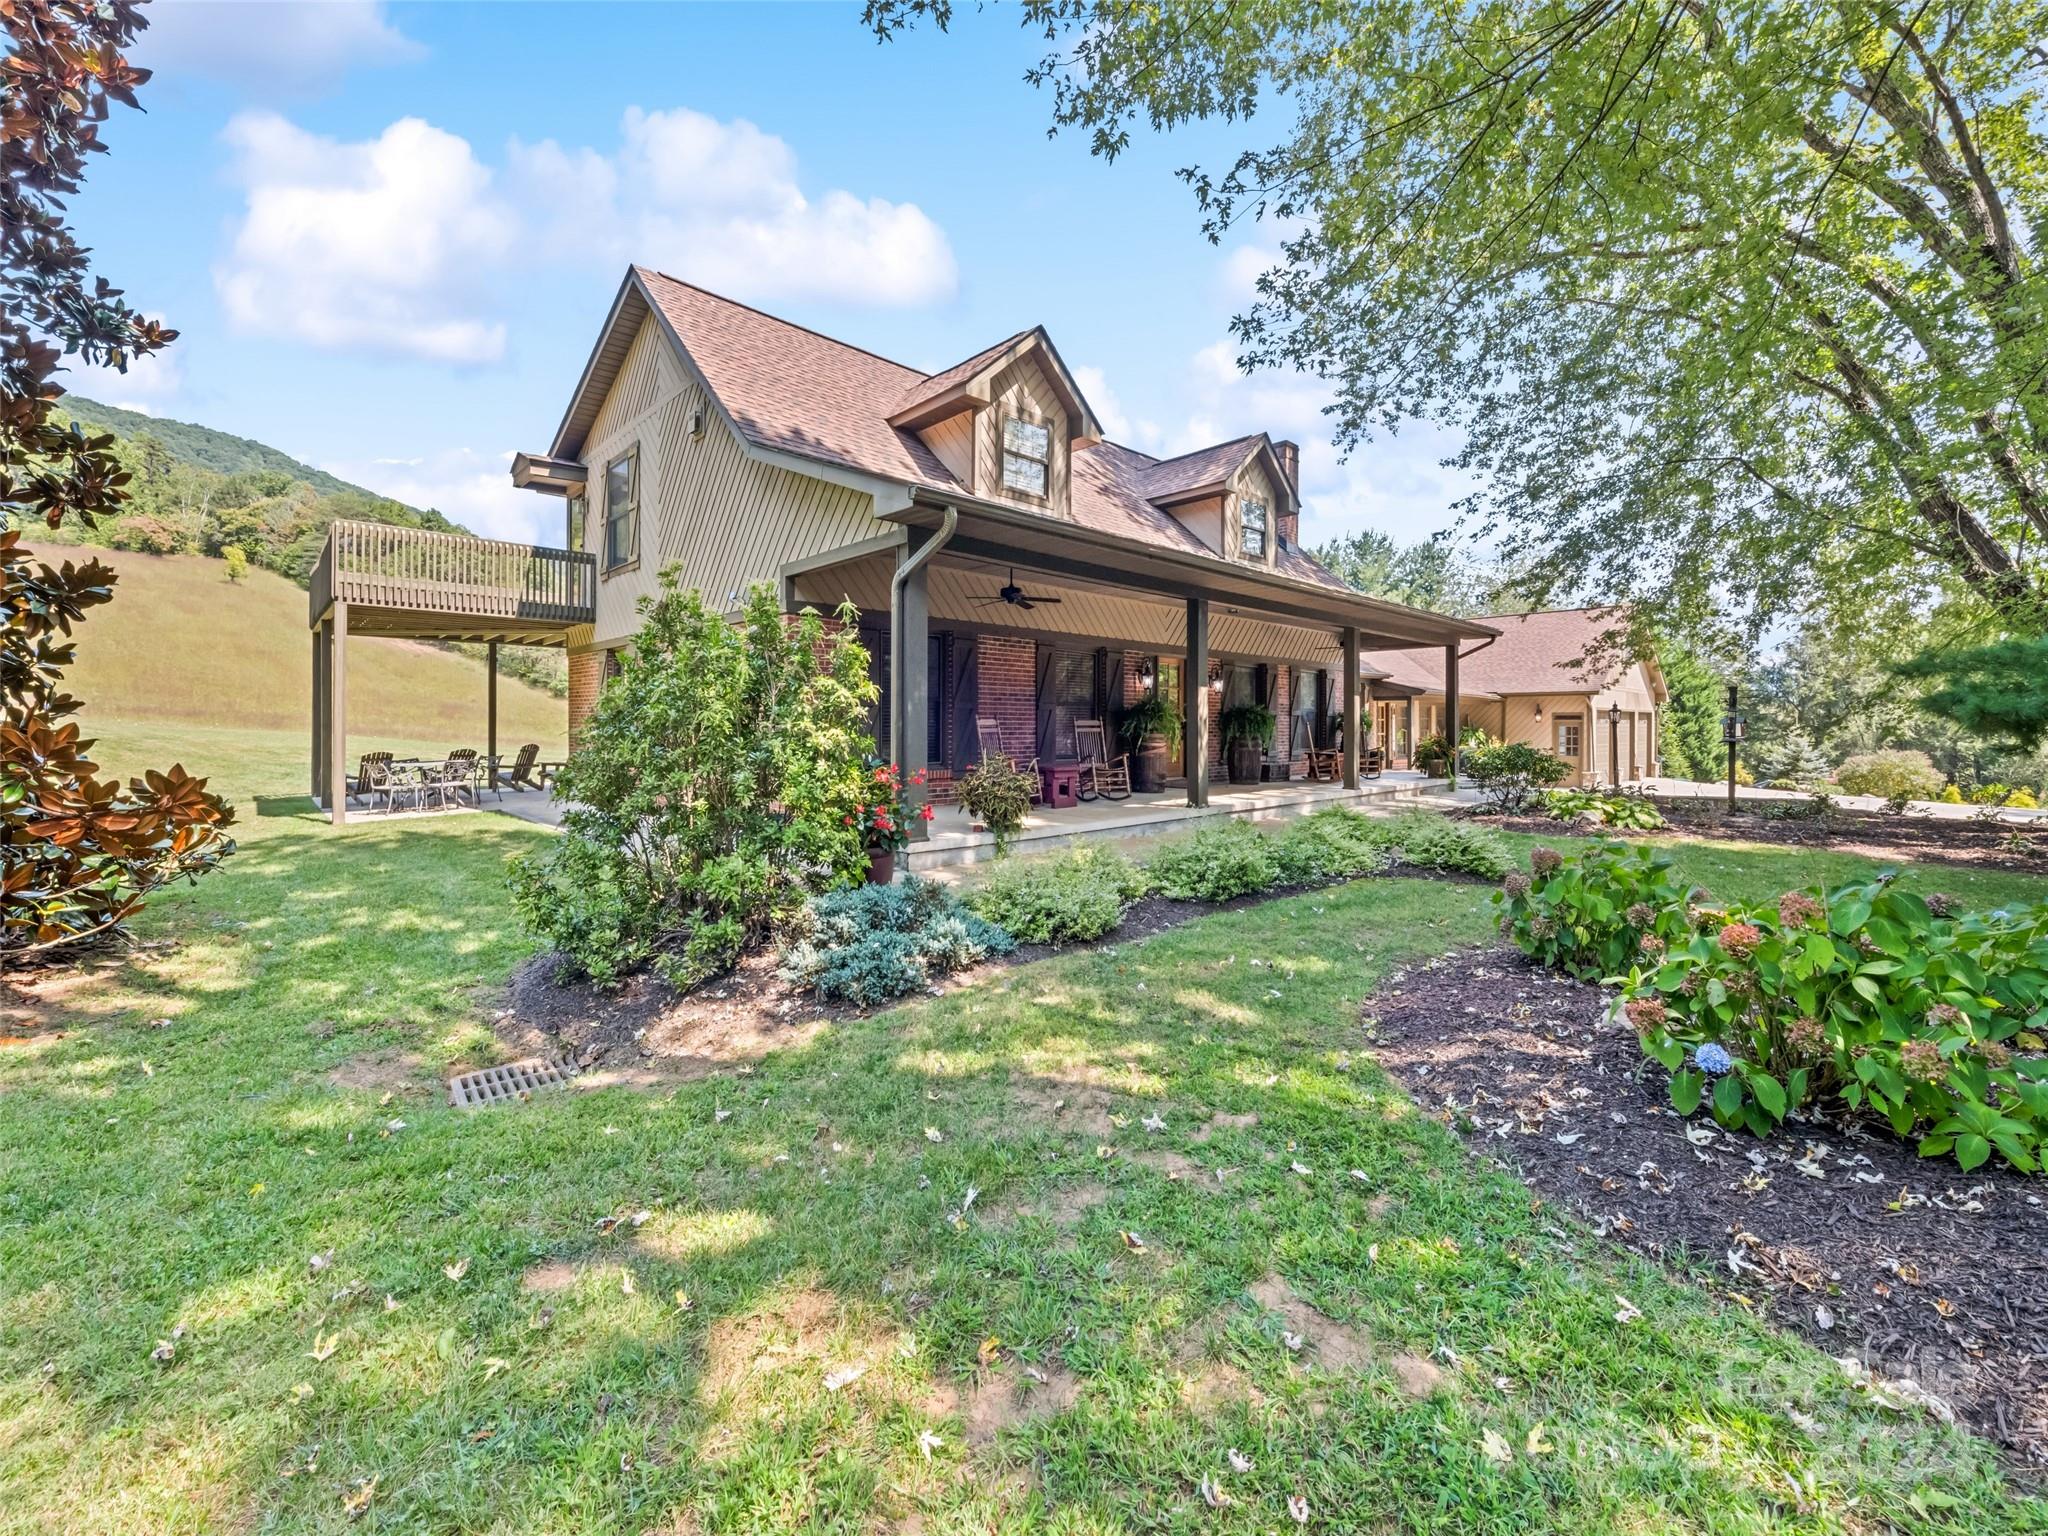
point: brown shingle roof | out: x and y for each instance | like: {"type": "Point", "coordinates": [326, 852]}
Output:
{"type": "Point", "coordinates": [1205, 466]}
{"type": "Point", "coordinates": [792, 389]}
{"type": "Point", "coordinates": [1533, 655]}
{"type": "Point", "coordinates": [946, 378]}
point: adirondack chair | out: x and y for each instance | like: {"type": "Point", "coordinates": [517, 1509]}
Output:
{"type": "Point", "coordinates": [990, 735]}
{"type": "Point", "coordinates": [1103, 775]}
{"type": "Point", "coordinates": [373, 778]}
{"type": "Point", "coordinates": [520, 775]}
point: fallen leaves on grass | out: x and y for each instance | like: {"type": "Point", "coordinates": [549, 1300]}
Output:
{"type": "Point", "coordinates": [1494, 1447]}
{"type": "Point", "coordinates": [456, 1271]}
{"type": "Point", "coordinates": [356, 1502]}
{"type": "Point", "coordinates": [324, 1346]}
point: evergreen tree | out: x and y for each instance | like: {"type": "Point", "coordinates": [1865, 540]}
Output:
{"type": "Point", "coordinates": [1691, 733]}
{"type": "Point", "coordinates": [2000, 691]}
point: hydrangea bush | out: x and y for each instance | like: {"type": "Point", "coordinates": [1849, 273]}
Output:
{"type": "Point", "coordinates": [1596, 914]}
{"type": "Point", "coordinates": [1867, 998]}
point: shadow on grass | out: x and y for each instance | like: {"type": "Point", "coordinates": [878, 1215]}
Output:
{"type": "Point", "coordinates": [846, 1248]}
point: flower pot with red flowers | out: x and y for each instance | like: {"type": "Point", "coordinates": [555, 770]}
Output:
{"type": "Point", "coordinates": [884, 818]}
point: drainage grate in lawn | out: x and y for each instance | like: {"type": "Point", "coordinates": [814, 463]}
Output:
{"type": "Point", "coordinates": [507, 1084]}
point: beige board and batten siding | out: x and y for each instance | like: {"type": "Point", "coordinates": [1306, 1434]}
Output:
{"type": "Point", "coordinates": [1252, 483]}
{"type": "Point", "coordinates": [1022, 388]}
{"type": "Point", "coordinates": [724, 518]}
{"type": "Point", "coordinates": [952, 443]}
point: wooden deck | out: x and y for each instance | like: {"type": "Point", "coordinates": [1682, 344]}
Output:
{"type": "Point", "coordinates": [446, 586]}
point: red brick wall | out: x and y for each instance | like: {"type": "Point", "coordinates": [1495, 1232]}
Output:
{"type": "Point", "coordinates": [1006, 672]}
{"type": "Point", "coordinates": [586, 677]}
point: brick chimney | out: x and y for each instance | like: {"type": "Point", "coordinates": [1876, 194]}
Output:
{"type": "Point", "coordinates": [1289, 454]}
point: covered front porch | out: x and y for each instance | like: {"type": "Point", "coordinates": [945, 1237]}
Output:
{"type": "Point", "coordinates": [955, 840]}
{"type": "Point", "coordinates": [989, 623]}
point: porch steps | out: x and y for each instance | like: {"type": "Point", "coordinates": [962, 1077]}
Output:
{"type": "Point", "coordinates": [1045, 831]}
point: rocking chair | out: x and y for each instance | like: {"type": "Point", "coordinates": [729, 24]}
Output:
{"type": "Point", "coordinates": [1325, 764]}
{"type": "Point", "coordinates": [990, 735]}
{"type": "Point", "coordinates": [1101, 775]}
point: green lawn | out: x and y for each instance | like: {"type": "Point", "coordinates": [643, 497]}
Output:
{"type": "Point", "coordinates": [184, 1176]}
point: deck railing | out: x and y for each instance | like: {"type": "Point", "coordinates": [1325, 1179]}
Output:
{"type": "Point", "coordinates": [383, 566]}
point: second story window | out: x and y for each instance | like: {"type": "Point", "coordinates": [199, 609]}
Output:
{"type": "Point", "coordinates": [1027, 456]}
{"type": "Point", "coordinates": [1253, 515]}
{"type": "Point", "coordinates": [578, 509]}
{"type": "Point", "coordinates": [622, 509]}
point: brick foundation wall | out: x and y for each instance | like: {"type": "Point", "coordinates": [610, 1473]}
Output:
{"type": "Point", "coordinates": [586, 677]}
{"type": "Point", "coordinates": [1007, 679]}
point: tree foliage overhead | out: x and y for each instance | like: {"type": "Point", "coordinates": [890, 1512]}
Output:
{"type": "Point", "coordinates": [1734, 304]}
{"type": "Point", "coordinates": [81, 853]}
{"type": "Point", "coordinates": [1432, 574]}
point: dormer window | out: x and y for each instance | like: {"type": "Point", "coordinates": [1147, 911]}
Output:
{"type": "Point", "coordinates": [1027, 456]}
{"type": "Point", "coordinates": [1253, 519]}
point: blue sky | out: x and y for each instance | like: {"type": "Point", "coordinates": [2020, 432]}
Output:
{"type": "Point", "coordinates": [388, 233]}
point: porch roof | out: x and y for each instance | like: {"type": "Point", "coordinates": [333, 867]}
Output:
{"type": "Point", "coordinates": [995, 532]}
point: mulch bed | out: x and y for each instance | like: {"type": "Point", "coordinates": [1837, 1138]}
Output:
{"type": "Point", "coordinates": [1977, 844]}
{"type": "Point", "coordinates": [1840, 1231]}
{"type": "Point", "coordinates": [646, 1023]}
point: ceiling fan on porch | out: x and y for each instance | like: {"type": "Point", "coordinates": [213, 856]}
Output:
{"type": "Point", "coordinates": [1016, 596]}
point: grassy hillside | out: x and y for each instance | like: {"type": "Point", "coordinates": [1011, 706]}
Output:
{"type": "Point", "coordinates": [185, 665]}
{"type": "Point", "coordinates": [189, 443]}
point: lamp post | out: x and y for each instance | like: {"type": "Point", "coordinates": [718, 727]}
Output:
{"type": "Point", "coordinates": [1614, 744]}
{"type": "Point", "coordinates": [1732, 728]}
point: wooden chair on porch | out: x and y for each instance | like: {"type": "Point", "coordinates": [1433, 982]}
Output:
{"type": "Point", "coordinates": [990, 735]}
{"type": "Point", "coordinates": [519, 775]}
{"type": "Point", "coordinates": [1325, 764]}
{"type": "Point", "coordinates": [1101, 775]}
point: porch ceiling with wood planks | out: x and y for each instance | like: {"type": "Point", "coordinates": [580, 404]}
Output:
{"type": "Point", "coordinates": [1091, 612]}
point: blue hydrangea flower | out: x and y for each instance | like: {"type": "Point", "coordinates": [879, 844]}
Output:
{"type": "Point", "coordinates": [1712, 1059]}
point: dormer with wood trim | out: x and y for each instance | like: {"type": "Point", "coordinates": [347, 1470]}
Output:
{"type": "Point", "coordinates": [1236, 497]}
{"type": "Point", "coordinates": [1005, 423]}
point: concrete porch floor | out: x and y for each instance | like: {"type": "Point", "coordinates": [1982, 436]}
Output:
{"type": "Point", "coordinates": [954, 842]}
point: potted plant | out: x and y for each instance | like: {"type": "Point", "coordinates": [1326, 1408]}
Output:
{"type": "Point", "coordinates": [884, 820]}
{"type": "Point", "coordinates": [1431, 755]}
{"type": "Point", "coordinates": [1247, 732]}
{"type": "Point", "coordinates": [1153, 729]}
{"type": "Point", "coordinates": [997, 794]}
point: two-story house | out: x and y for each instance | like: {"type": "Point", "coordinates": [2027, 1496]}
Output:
{"type": "Point", "coordinates": [1029, 570]}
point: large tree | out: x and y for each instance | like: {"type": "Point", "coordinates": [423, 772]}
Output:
{"type": "Point", "coordinates": [1737, 306]}
{"type": "Point", "coordinates": [78, 853]}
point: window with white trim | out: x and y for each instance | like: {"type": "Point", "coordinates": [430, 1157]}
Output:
{"type": "Point", "coordinates": [1027, 456]}
{"type": "Point", "coordinates": [1252, 519]}
{"type": "Point", "coordinates": [622, 509]}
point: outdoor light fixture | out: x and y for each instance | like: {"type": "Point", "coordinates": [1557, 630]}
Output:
{"type": "Point", "coordinates": [1614, 744]}
{"type": "Point", "coordinates": [1614, 714]}
{"type": "Point", "coordinates": [1539, 712]}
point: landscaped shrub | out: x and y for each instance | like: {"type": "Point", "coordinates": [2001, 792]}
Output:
{"type": "Point", "coordinates": [1867, 994]}
{"type": "Point", "coordinates": [1632, 812]}
{"type": "Point", "coordinates": [1332, 844]}
{"type": "Point", "coordinates": [1062, 899]}
{"type": "Point", "coordinates": [716, 785]}
{"type": "Point", "coordinates": [877, 942]}
{"type": "Point", "coordinates": [1992, 793]}
{"type": "Point", "coordinates": [2022, 799]}
{"type": "Point", "coordinates": [1950, 795]}
{"type": "Point", "coordinates": [1598, 912]}
{"type": "Point", "coordinates": [1218, 863]}
{"type": "Point", "coordinates": [1512, 775]}
{"type": "Point", "coordinates": [997, 793]}
{"type": "Point", "coordinates": [1427, 840]}
{"type": "Point", "coordinates": [1890, 775]}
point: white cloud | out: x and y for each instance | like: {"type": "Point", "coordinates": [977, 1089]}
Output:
{"type": "Point", "coordinates": [148, 386]}
{"type": "Point", "coordinates": [1109, 410]}
{"type": "Point", "coordinates": [271, 48]}
{"type": "Point", "coordinates": [375, 245]}
{"type": "Point", "coordinates": [475, 489]}
{"type": "Point", "coordinates": [720, 203]}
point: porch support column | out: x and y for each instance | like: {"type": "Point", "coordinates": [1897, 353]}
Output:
{"type": "Point", "coordinates": [1353, 712]}
{"type": "Point", "coordinates": [1451, 707]}
{"type": "Point", "coordinates": [1195, 700]}
{"type": "Point", "coordinates": [337, 718]}
{"type": "Point", "coordinates": [909, 665]}
{"type": "Point", "coordinates": [1413, 725]}
{"type": "Point", "coordinates": [319, 711]}
{"type": "Point", "coordinates": [491, 710]}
